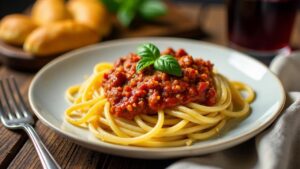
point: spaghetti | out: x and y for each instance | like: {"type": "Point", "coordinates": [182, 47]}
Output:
{"type": "Point", "coordinates": [176, 126]}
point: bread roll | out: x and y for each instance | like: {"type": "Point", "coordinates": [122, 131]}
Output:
{"type": "Point", "coordinates": [59, 37]}
{"type": "Point", "coordinates": [49, 11]}
{"type": "Point", "coordinates": [15, 28]}
{"type": "Point", "coordinates": [92, 13]}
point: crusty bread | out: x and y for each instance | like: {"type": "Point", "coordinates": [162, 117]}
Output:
{"type": "Point", "coordinates": [91, 13]}
{"type": "Point", "coordinates": [49, 11]}
{"type": "Point", "coordinates": [15, 28]}
{"type": "Point", "coordinates": [59, 37]}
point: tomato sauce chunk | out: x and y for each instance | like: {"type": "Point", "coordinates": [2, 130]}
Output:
{"type": "Point", "coordinates": [131, 93]}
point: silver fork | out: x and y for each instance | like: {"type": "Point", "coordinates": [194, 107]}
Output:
{"type": "Point", "coordinates": [15, 115]}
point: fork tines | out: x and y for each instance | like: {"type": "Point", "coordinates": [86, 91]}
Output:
{"type": "Point", "coordinates": [12, 105]}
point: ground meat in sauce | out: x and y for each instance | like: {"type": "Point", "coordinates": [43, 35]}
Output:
{"type": "Point", "coordinates": [131, 93]}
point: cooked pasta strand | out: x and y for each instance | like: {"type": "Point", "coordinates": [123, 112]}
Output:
{"type": "Point", "coordinates": [178, 126]}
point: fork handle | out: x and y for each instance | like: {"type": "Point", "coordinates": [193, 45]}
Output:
{"type": "Point", "coordinates": [46, 158]}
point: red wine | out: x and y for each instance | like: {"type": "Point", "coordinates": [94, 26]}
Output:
{"type": "Point", "coordinates": [262, 25]}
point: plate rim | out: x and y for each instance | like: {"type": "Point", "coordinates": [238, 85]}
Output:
{"type": "Point", "coordinates": [181, 151]}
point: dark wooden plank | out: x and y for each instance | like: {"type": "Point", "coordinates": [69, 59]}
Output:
{"type": "Point", "coordinates": [12, 141]}
{"type": "Point", "coordinates": [70, 155]}
{"type": "Point", "coordinates": [67, 154]}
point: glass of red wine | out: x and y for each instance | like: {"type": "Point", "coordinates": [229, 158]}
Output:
{"type": "Point", "coordinates": [261, 27]}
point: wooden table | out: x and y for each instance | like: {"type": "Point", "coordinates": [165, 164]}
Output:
{"type": "Point", "coordinates": [17, 151]}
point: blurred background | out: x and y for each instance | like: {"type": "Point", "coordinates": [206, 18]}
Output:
{"type": "Point", "coordinates": [250, 26]}
{"type": "Point", "coordinates": [13, 6]}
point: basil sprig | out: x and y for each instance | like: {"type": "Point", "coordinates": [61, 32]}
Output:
{"type": "Point", "coordinates": [150, 55]}
{"type": "Point", "coordinates": [127, 10]}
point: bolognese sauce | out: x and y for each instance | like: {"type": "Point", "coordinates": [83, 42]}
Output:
{"type": "Point", "coordinates": [131, 93]}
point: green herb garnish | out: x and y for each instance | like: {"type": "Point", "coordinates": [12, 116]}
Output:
{"type": "Point", "coordinates": [150, 55]}
{"type": "Point", "coordinates": [127, 10]}
{"type": "Point", "coordinates": [151, 9]}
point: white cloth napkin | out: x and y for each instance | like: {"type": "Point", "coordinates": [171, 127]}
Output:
{"type": "Point", "coordinates": [278, 147]}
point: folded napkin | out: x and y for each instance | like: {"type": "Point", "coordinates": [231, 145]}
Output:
{"type": "Point", "coordinates": [287, 68]}
{"type": "Point", "coordinates": [278, 147]}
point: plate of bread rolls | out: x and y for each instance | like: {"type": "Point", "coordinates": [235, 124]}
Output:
{"type": "Point", "coordinates": [51, 28]}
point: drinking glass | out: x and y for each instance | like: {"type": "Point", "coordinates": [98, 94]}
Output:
{"type": "Point", "coordinates": [261, 27]}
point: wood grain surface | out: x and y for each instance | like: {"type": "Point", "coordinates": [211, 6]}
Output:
{"type": "Point", "coordinates": [17, 151]}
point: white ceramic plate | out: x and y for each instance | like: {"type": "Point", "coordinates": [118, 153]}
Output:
{"type": "Point", "coordinates": [47, 94]}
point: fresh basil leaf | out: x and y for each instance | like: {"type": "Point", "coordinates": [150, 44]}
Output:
{"type": "Point", "coordinates": [127, 11]}
{"type": "Point", "coordinates": [112, 5]}
{"type": "Point", "coordinates": [143, 63]}
{"type": "Point", "coordinates": [168, 64]}
{"type": "Point", "coordinates": [150, 54]}
{"type": "Point", "coordinates": [148, 51]}
{"type": "Point", "coordinates": [152, 9]}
